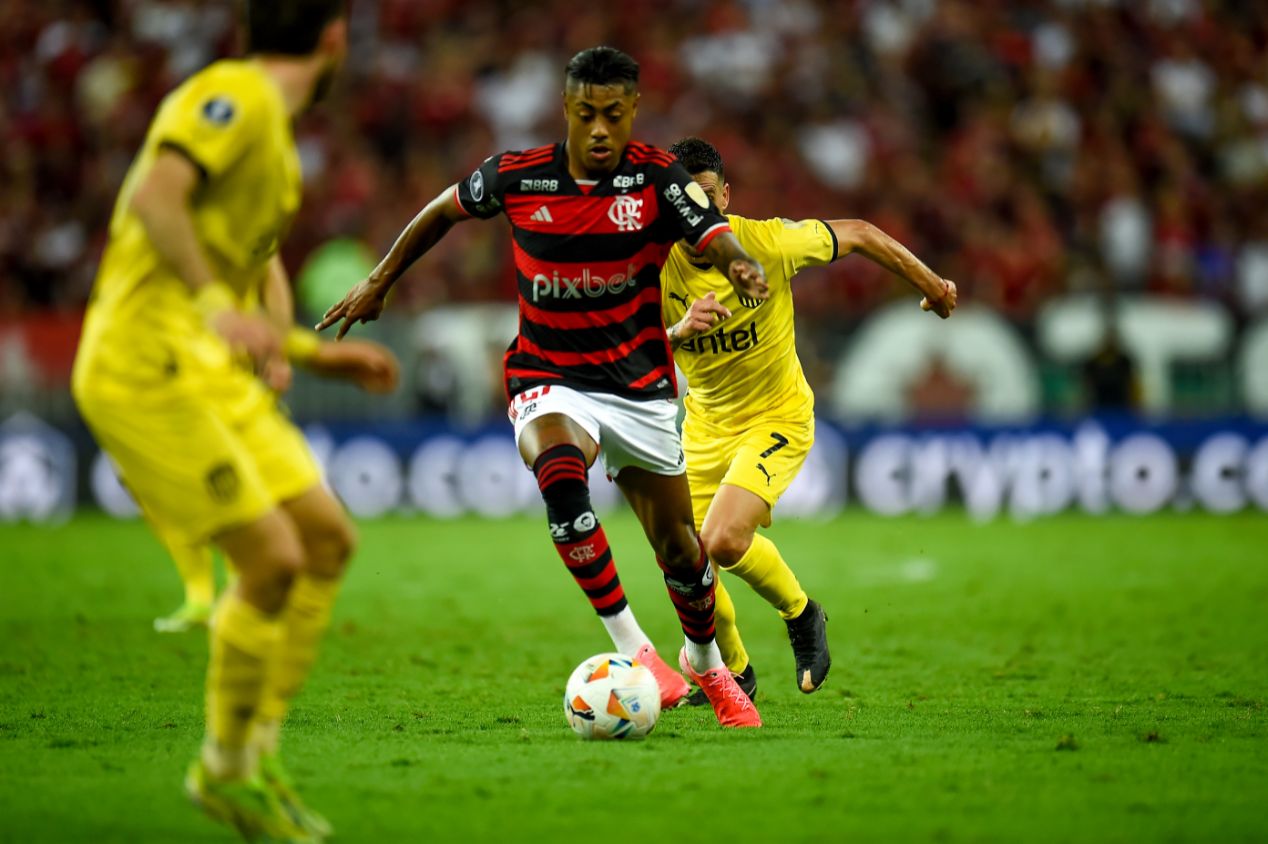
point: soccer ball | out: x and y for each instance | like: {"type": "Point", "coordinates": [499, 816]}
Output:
{"type": "Point", "coordinates": [610, 696]}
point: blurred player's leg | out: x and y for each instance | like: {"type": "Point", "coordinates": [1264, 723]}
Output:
{"type": "Point", "coordinates": [328, 539]}
{"type": "Point", "coordinates": [197, 569]}
{"type": "Point", "coordinates": [731, 539]}
{"type": "Point", "coordinates": [662, 504]}
{"type": "Point", "coordinates": [246, 632]}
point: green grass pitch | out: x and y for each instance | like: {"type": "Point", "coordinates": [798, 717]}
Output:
{"type": "Point", "coordinates": [1072, 679]}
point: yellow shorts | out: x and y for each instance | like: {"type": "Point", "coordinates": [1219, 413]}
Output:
{"type": "Point", "coordinates": [193, 466]}
{"type": "Point", "coordinates": [763, 459]}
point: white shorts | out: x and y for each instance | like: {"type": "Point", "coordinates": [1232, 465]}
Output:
{"type": "Point", "coordinates": [643, 434]}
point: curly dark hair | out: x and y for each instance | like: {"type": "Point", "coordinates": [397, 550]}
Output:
{"type": "Point", "coordinates": [698, 155]}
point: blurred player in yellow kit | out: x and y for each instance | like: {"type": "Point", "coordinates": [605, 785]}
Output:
{"type": "Point", "coordinates": [370, 366]}
{"type": "Point", "coordinates": [190, 298]}
{"type": "Point", "coordinates": [749, 421]}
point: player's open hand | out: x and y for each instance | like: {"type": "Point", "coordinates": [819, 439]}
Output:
{"type": "Point", "coordinates": [749, 280]}
{"type": "Point", "coordinates": [363, 303]}
{"type": "Point", "coordinates": [941, 305]}
{"type": "Point", "coordinates": [703, 314]}
{"type": "Point", "coordinates": [370, 366]}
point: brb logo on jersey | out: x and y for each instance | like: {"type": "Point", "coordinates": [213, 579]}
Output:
{"type": "Point", "coordinates": [627, 213]}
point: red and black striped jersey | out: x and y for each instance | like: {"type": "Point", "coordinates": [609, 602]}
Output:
{"type": "Point", "coordinates": [588, 260]}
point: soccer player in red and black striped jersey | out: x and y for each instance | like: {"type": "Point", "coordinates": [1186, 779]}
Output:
{"type": "Point", "coordinates": [591, 374]}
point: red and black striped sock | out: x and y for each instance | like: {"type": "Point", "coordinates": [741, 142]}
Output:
{"type": "Point", "coordinates": [579, 538]}
{"type": "Point", "coordinates": [692, 592]}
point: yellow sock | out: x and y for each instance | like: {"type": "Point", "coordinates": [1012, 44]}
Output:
{"type": "Point", "coordinates": [764, 569]}
{"type": "Point", "coordinates": [305, 619]}
{"type": "Point", "coordinates": [197, 570]}
{"type": "Point", "coordinates": [244, 642]}
{"type": "Point", "coordinates": [728, 635]}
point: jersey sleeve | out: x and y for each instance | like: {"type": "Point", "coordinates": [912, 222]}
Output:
{"type": "Point", "coordinates": [481, 193]}
{"type": "Point", "coordinates": [687, 207]}
{"type": "Point", "coordinates": [804, 243]}
{"type": "Point", "coordinates": [211, 123]}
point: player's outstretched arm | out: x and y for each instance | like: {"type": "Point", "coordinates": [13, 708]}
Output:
{"type": "Point", "coordinates": [367, 364]}
{"type": "Point", "coordinates": [162, 203]}
{"type": "Point", "coordinates": [861, 236]}
{"type": "Point", "coordinates": [364, 302]}
{"type": "Point", "coordinates": [746, 275]}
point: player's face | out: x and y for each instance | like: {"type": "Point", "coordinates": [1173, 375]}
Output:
{"type": "Point", "coordinates": [600, 120]}
{"type": "Point", "coordinates": [717, 190]}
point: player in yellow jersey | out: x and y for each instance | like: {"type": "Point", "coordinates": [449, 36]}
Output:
{"type": "Point", "coordinates": [164, 378]}
{"type": "Point", "coordinates": [749, 412]}
{"type": "Point", "coordinates": [370, 366]}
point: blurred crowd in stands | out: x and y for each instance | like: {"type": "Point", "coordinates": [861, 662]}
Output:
{"type": "Point", "coordinates": [1022, 149]}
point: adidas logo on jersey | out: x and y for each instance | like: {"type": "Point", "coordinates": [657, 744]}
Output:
{"type": "Point", "coordinates": [542, 215]}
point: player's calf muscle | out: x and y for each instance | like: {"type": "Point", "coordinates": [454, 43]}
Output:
{"type": "Point", "coordinates": [677, 546]}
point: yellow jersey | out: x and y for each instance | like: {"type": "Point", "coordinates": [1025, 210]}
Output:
{"type": "Point", "coordinates": [747, 366]}
{"type": "Point", "coordinates": [230, 119]}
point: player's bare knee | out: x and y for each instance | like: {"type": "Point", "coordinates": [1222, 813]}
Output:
{"type": "Point", "coordinates": [265, 577]}
{"type": "Point", "coordinates": [725, 545]}
{"type": "Point", "coordinates": [330, 546]}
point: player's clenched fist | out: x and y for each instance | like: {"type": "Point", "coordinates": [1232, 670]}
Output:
{"type": "Point", "coordinates": [942, 303]}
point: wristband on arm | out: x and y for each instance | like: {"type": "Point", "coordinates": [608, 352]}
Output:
{"type": "Point", "coordinates": [301, 344]}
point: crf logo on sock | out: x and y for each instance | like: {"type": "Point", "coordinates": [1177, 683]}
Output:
{"type": "Point", "coordinates": [582, 553]}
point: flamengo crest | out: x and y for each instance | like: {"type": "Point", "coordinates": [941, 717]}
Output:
{"type": "Point", "coordinates": [627, 213]}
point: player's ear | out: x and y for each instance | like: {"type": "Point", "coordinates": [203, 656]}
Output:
{"type": "Point", "coordinates": [634, 107]}
{"type": "Point", "coordinates": [334, 37]}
